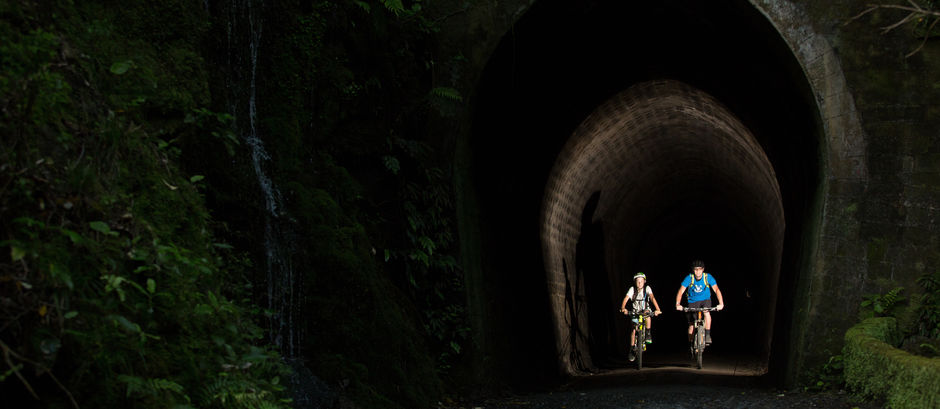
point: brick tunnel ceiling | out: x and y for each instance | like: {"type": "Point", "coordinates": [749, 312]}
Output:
{"type": "Point", "coordinates": [657, 152]}
{"type": "Point", "coordinates": [656, 163]}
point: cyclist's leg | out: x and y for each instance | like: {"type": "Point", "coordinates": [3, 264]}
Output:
{"type": "Point", "coordinates": [708, 322]}
{"type": "Point", "coordinates": [690, 317]}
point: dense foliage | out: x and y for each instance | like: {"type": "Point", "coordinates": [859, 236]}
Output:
{"type": "Point", "coordinates": [132, 223]}
{"type": "Point", "coordinates": [344, 97]}
{"type": "Point", "coordinates": [113, 291]}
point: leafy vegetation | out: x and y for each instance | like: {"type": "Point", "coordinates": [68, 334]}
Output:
{"type": "Point", "coordinates": [881, 305]}
{"type": "Point", "coordinates": [829, 376]}
{"type": "Point", "coordinates": [928, 324]}
{"type": "Point", "coordinates": [113, 291]}
{"type": "Point", "coordinates": [434, 278]}
{"type": "Point", "coordinates": [130, 252]}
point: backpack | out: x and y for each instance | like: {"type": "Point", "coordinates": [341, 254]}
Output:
{"type": "Point", "coordinates": [646, 296]}
{"type": "Point", "coordinates": [688, 294]}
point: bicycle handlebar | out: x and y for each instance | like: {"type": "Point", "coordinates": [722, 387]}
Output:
{"type": "Point", "coordinates": [699, 309]}
{"type": "Point", "coordinates": [644, 313]}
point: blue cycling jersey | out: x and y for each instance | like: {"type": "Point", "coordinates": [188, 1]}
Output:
{"type": "Point", "coordinates": [700, 290]}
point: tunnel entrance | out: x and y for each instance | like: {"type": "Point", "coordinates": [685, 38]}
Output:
{"type": "Point", "coordinates": [611, 137]}
{"type": "Point", "coordinates": [659, 175]}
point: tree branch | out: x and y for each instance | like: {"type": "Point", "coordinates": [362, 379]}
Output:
{"type": "Point", "coordinates": [6, 357]}
{"type": "Point", "coordinates": [914, 11]}
{"type": "Point", "coordinates": [7, 351]}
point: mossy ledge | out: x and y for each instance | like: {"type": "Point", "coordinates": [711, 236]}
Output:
{"type": "Point", "coordinates": [875, 368]}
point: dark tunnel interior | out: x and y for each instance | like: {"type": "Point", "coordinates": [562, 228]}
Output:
{"type": "Point", "coordinates": [685, 198]}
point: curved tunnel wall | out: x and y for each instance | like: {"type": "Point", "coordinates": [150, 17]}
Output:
{"type": "Point", "coordinates": [764, 63]}
{"type": "Point", "coordinates": [655, 151]}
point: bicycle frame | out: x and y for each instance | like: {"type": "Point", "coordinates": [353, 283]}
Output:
{"type": "Point", "coordinates": [639, 344]}
{"type": "Point", "coordinates": [698, 333]}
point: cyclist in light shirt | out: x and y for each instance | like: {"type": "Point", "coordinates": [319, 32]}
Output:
{"type": "Point", "coordinates": [641, 294]}
{"type": "Point", "coordinates": [700, 285]}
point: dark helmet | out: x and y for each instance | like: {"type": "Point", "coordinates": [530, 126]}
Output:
{"type": "Point", "coordinates": [698, 263]}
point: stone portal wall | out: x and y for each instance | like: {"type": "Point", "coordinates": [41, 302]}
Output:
{"type": "Point", "coordinates": [879, 114]}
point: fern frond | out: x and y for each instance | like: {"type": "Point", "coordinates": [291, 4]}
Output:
{"type": "Point", "coordinates": [152, 387]}
{"type": "Point", "coordinates": [930, 282]}
{"type": "Point", "coordinates": [448, 93]}
{"type": "Point", "coordinates": [892, 297]}
{"type": "Point", "coordinates": [395, 6]}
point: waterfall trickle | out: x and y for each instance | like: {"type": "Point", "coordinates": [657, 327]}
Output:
{"type": "Point", "coordinates": [284, 299]}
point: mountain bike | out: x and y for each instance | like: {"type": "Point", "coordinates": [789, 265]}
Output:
{"type": "Point", "coordinates": [698, 333]}
{"type": "Point", "coordinates": [640, 344]}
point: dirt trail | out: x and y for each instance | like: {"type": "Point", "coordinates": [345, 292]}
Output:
{"type": "Point", "coordinates": [671, 396]}
{"type": "Point", "coordinates": [671, 382]}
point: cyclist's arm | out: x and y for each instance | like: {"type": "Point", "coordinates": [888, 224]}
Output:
{"type": "Point", "coordinates": [721, 300]}
{"type": "Point", "coordinates": [679, 297]}
{"type": "Point", "coordinates": [655, 304]}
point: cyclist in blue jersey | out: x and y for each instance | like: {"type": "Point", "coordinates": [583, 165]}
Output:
{"type": "Point", "coordinates": [699, 285]}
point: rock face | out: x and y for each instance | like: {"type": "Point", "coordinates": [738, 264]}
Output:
{"type": "Point", "coordinates": [846, 121]}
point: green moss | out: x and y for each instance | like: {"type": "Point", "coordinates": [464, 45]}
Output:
{"type": "Point", "coordinates": [875, 368]}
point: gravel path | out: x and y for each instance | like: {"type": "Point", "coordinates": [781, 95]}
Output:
{"type": "Point", "coordinates": [665, 388]}
{"type": "Point", "coordinates": [673, 397]}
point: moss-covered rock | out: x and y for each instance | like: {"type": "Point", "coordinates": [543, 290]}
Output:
{"type": "Point", "coordinates": [874, 367]}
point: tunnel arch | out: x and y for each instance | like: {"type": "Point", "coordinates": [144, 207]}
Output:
{"type": "Point", "coordinates": [761, 61]}
{"type": "Point", "coordinates": [647, 149]}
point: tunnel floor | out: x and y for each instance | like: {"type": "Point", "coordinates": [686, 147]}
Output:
{"type": "Point", "coordinates": [724, 364]}
{"type": "Point", "coordinates": [702, 391]}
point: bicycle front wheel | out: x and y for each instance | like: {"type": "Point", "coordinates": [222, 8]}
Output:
{"type": "Point", "coordinates": [699, 347]}
{"type": "Point", "coordinates": [640, 346]}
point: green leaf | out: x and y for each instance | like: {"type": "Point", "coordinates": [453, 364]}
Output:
{"type": "Point", "coordinates": [203, 309]}
{"type": "Point", "coordinates": [121, 67]}
{"type": "Point", "coordinates": [101, 227]}
{"type": "Point", "coordinates": [363, 5]}
{"type": "Point", "coordinates": [151, 286]}
{"type": "Point", "coordinates": [73, 236]}
{"type": "Point", "coordinates": [16, 253]}
{"type": "Point", "coordinates": [395, 6]}
{"type": "Point", "coordinates": [427, 244]}
{"type": "Point", "coordinates": [71, 314]}
{"type": "Point", "coordinates": [391, 163]}
{"type": "Point", "coordinates": [255, 354]}
{"type": "Point", "coordinates": [61, 274]}
{"type": "Point", "coordinates": [125, 323]}
{"type": "Point", "coordinates": [196, 178]}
